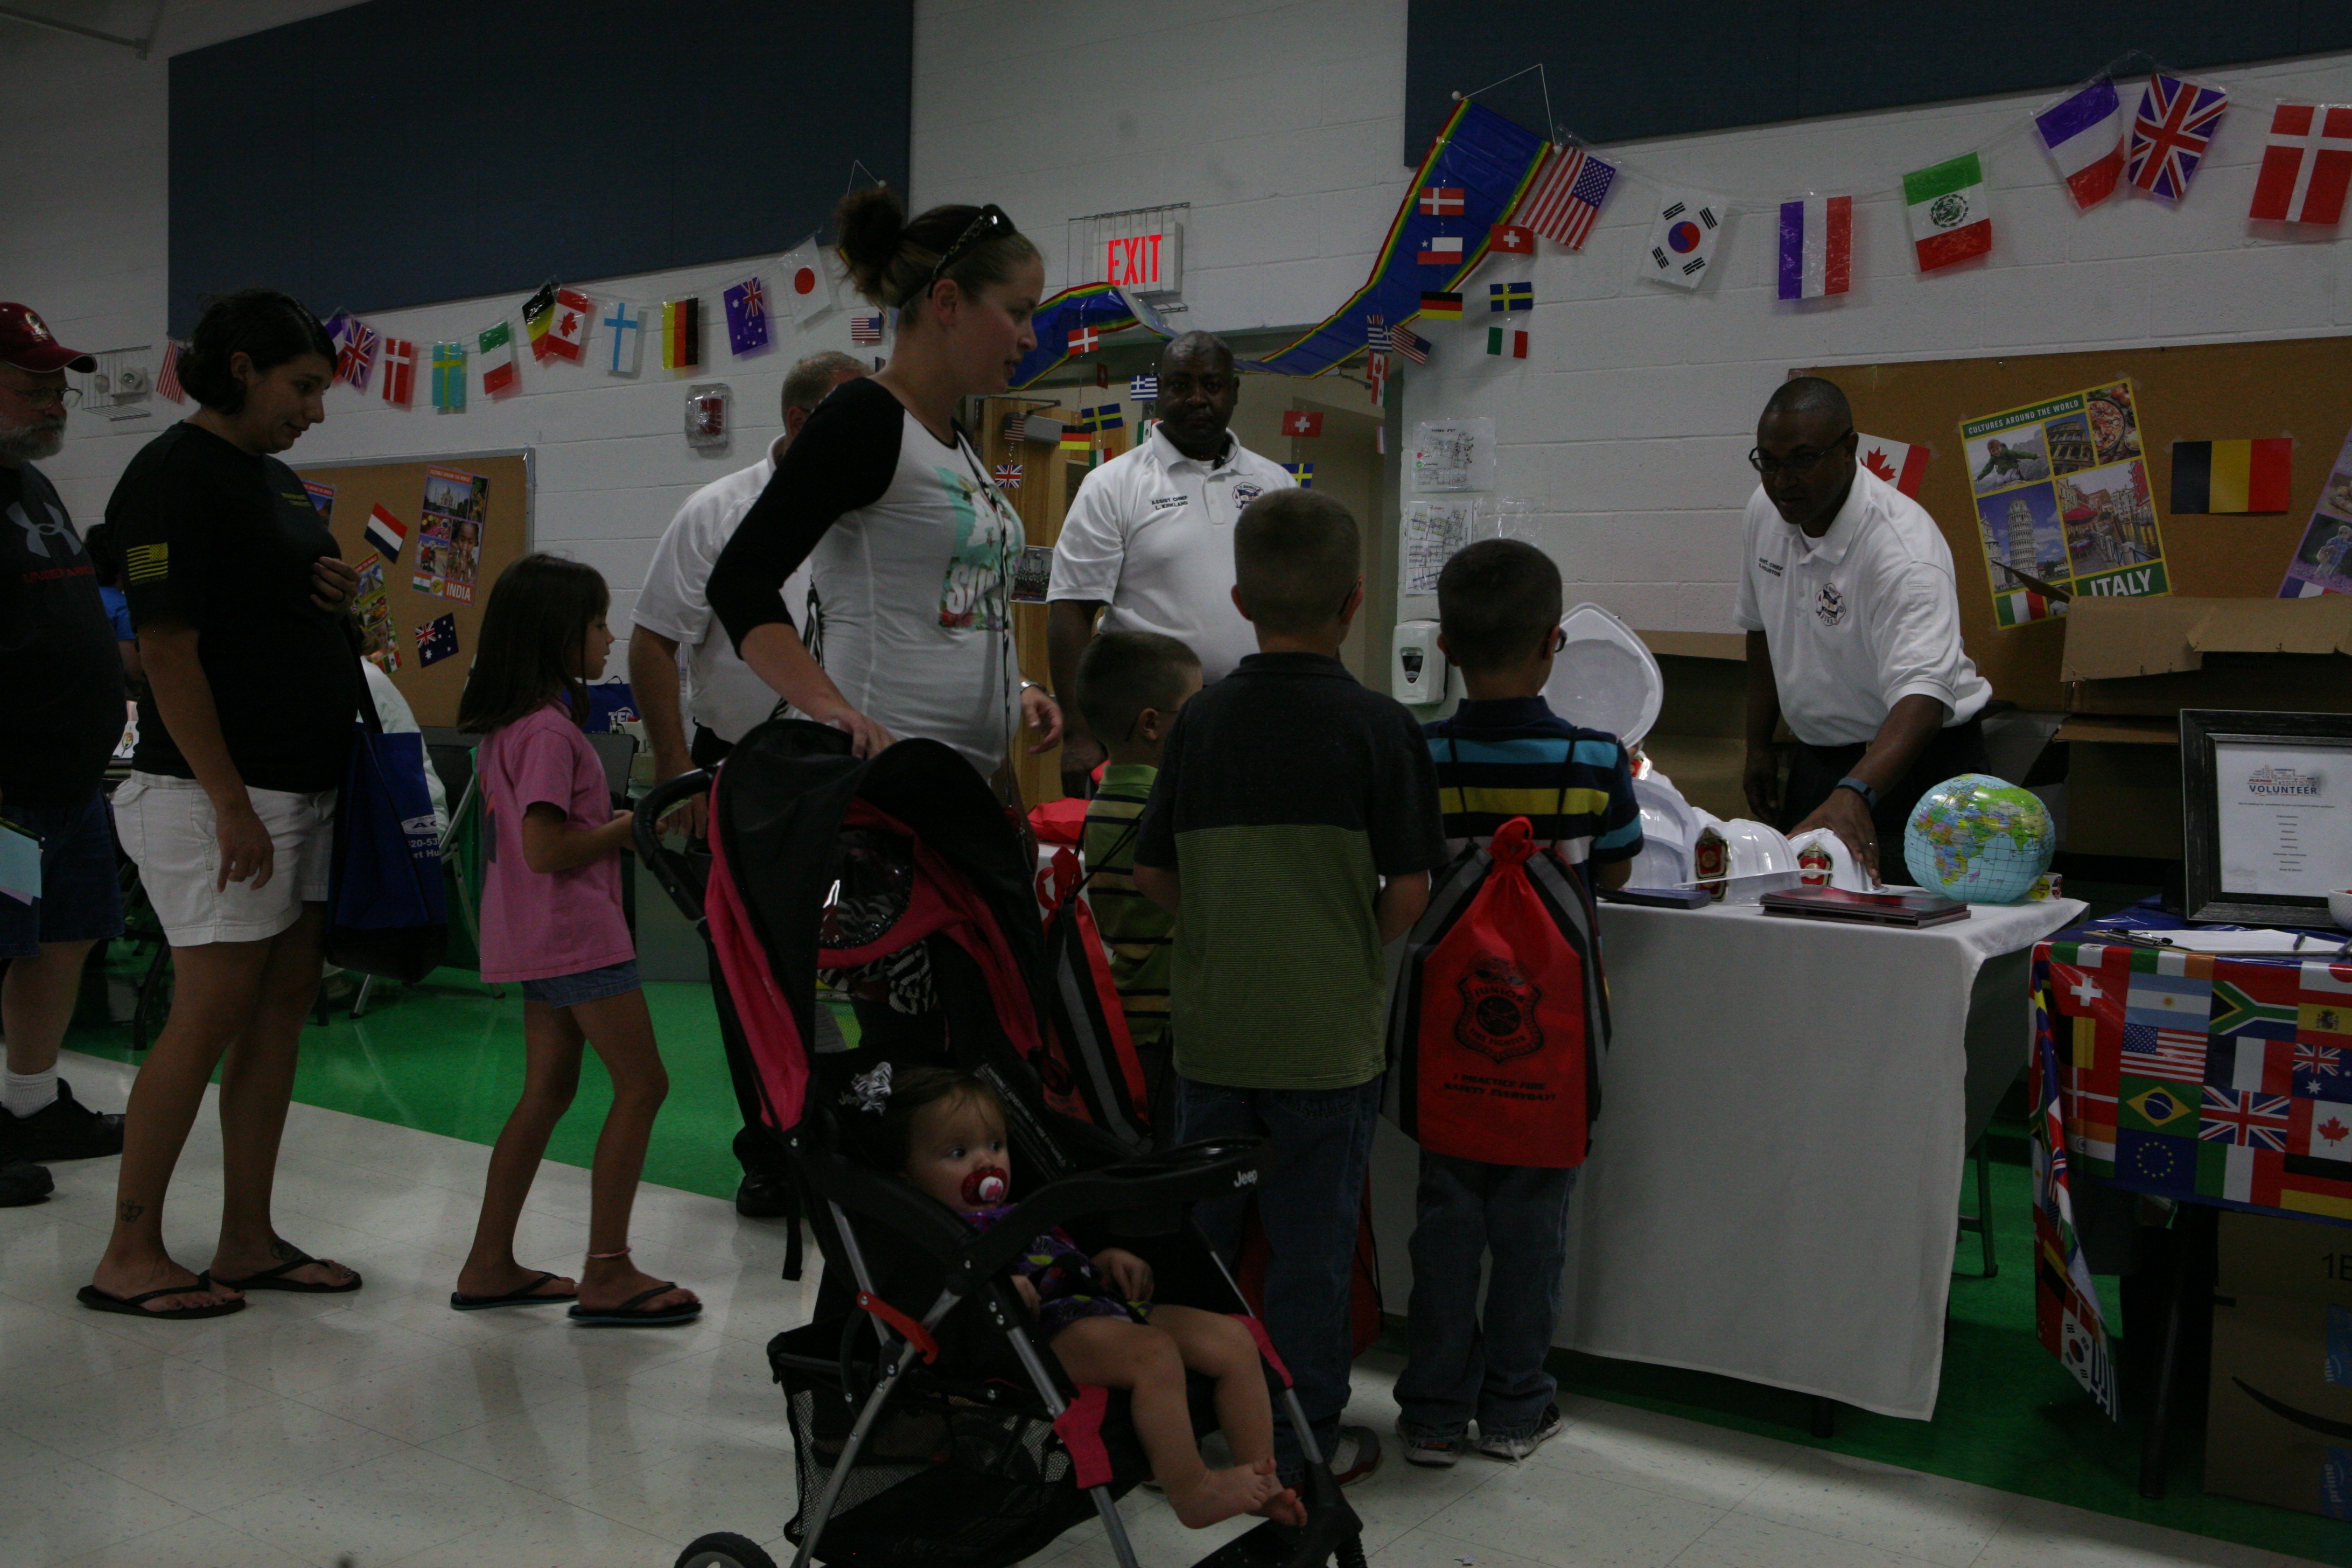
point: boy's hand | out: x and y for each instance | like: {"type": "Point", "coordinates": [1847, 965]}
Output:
{"type": "Point", "coordinates": [1026, 1292]}
{"type": "Point", "coordinates": [1124, 1269]}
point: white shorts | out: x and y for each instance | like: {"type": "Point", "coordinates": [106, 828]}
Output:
{"type": "Point", "coordinates": [167, 828]}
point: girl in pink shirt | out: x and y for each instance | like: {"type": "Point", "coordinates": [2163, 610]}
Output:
{"type": "Point", "coordinates": [551, 920]}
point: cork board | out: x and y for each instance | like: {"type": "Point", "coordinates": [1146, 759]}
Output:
{"type": "Point", "coordinates": [2207, 392]}
{"type": "Point", "coordinates": [399, 485]}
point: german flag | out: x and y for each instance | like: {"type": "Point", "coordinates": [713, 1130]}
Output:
{"type": "Point", "coordinates": [1441, 307]}
{"type": "Point", "coordinates": [682, 334]}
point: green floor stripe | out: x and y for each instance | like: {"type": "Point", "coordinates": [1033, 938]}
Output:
{"type": "Point", "coordinates": [446, 1057]}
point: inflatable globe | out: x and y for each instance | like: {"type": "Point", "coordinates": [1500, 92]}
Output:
{"type": "Point", "coordinates": [1979, 838]}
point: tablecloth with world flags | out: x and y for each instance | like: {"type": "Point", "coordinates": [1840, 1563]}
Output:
{"type": "Point", "coordinates": [2203, 1079]}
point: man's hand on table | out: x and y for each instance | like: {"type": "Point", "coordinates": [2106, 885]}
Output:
{"type": "Point", "coordinates": [1845, 814]}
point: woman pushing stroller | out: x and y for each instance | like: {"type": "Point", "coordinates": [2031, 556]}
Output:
{"type": "Point", "coordinates": [944, 1131]}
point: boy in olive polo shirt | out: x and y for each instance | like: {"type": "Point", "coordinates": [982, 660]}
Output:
{"type": "Point", "coordinates": [1292, 831]}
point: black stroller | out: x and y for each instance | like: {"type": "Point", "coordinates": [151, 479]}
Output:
{"type": "Point", "coordinates": [930, 1428]}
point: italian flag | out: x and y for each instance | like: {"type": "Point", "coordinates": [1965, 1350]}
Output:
{"type": "Point", "coordinates": [1950, 219]}
{"type": "Point", "coordinates": [496, 346]}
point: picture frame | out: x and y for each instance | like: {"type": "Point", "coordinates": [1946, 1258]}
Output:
{"type": "Point", "coordinates": [2245, 863]}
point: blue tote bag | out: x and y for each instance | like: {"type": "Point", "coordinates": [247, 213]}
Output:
{"type": "Point", "coordinates": [386, 912]}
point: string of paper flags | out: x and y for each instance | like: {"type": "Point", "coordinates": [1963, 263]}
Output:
{"type": "Point", "coordinates": [557, 325]}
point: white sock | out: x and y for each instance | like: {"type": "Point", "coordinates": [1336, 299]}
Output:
{"type": "Point", "coordinates": [22, 1093]}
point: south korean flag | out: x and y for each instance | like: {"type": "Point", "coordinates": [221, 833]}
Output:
{"type": "Point", "coordinates": [1681, 247]}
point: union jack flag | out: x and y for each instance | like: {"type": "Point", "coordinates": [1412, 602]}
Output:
{"type": "Point", "coordinates": [2176, 122]}
{"type": "Point", "coordinates": [356, 358]}
{"type": "Point", "coordinates": [1008, 476]}
{"type": "Point", "coordinates": [2245, 1119]}
{"type": "Point", "coordinates": [1410, 343]}
{"type": "Point", "coordinates": [1376, 334]}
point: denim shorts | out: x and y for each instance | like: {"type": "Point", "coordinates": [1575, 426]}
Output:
{"type": "Point", "coordinates": [588, 985]}
{"type": "Point", "coordinates": [81, 897]}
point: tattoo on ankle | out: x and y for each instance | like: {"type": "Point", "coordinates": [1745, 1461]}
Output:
{"type": "Point", "coordinates": [131, 1211]}
{"type": "Point", "coordinates": [282, 1250]}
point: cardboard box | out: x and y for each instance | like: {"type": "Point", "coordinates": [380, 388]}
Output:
{"type": "Point", "coordinates": [2159, 656]}
{"type": "Point", "coordinates": [2280, 1427]}
{"type": "Point", "coordinates": [2285, 1260]}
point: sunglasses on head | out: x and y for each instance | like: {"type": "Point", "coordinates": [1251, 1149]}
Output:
{"type": "Point", "coordinates": [991, 221]}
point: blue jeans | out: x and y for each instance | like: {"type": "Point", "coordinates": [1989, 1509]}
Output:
{"type": "Point", "coordinates": [81, 897]}
{"type": "Point", "coordinates": [1457, 1366]}
{"type": "Point", "coordinates": [1308, 1201]}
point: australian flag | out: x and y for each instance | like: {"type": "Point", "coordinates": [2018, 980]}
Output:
{"type": "Point", "coordinates": [436, 639]}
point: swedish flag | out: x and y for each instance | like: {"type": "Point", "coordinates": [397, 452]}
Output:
{"type": "Point", "coordinates": [1504, 297]}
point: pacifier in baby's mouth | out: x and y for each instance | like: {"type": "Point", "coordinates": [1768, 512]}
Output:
{"type": "Point", "coordinates": [987, 1185]}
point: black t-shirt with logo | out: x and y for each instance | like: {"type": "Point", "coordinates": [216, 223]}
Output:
{"type": "Point", "coordinates": [62, 675]}
{"type": "Point", "coordinates": [222, 541]}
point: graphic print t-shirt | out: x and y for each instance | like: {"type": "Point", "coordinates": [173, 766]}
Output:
{"type": "Point", "coordinates": [910, 551]}
{"type": "Point", "coordinates": [57, 657]}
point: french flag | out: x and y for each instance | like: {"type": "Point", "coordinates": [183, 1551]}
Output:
{"type": "Point", "coordinates": [1816, 247]}
{"type": "Point", "coordinates": [2084, 135]}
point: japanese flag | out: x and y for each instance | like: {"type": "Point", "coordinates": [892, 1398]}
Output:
{"type": "Point", "coordinates": [806, 286]}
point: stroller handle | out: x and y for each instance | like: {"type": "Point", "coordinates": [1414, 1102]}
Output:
{"type": "Point", "coordinates": [668, 866]}
{"type": "Point", "coordinates": [1187, 1174]}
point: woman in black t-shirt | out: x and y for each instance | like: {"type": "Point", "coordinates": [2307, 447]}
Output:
{"type": "Point", "coordinates": [244, 732]}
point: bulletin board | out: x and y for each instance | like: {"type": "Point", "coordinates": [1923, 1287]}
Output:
{"type": "Point", "coordinates": [2207, 392]}
{"type": "Point", "coordinates": [399, 485]}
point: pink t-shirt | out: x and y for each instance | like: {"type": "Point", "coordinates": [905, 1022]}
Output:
{"type": "Point", "coordinates": [537, 925]}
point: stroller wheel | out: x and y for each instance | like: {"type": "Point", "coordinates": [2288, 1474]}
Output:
{"type": "Point", "coordinates": [724, 1548]}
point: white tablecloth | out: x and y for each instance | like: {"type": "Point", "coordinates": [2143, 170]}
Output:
{"type": "Point", "coordinates": [1787, 1106]}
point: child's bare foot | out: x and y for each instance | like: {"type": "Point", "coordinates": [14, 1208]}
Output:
{"type": "Point", "coordinates": [1283, 1507]}
{"type": "Point", "coordinates": [1218, 1495]}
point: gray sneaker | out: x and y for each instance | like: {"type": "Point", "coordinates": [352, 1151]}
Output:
{"type": "Point", "coordinates": [1432, 1453]}
{"type": "Point", "coordinates": [1518, 1448]}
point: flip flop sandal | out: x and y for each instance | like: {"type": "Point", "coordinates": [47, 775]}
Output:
{"type": "Point", "coordinates": [628, 1314]}
{"type": "Point", "coordinates": [526, 1296]}
{"type": "Point", "coordinates": [100, 1301]}
{"type": "Point", "coordinates": [275, 1279]}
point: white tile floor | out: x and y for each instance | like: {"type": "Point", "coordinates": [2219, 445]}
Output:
{"type": "Point", "coordinates": [382, 1428]}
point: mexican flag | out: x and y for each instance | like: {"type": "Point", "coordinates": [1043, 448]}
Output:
{"type": "Point", "coordinates": [1950, 219]}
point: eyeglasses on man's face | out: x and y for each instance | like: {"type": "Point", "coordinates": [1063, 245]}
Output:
{"type": "Point", "coordinates": [1803, 460]}
{"type": "Point", "coordinates": [41, 396]}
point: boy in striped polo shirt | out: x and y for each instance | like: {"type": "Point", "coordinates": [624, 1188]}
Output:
{"type": "Point", "coordinates": [1503, 753]}
{"type": "Point", "coordinates": [1129, 686]}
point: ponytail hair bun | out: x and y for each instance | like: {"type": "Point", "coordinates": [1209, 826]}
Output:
{"type": "Point", "coordinates": [871, 223]}
{"type": "Point", "coordinates": [891, 257]}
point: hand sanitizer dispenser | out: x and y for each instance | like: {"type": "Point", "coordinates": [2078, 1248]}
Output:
{"type": "Point", "coordinates": [1417, 669]}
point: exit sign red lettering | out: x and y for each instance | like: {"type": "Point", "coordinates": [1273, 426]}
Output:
{"type": "Point", "coordinates": [1146, 263]}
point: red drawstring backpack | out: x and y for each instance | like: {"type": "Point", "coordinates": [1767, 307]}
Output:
{"type": "Point", "coordinates": [1500, 1015]}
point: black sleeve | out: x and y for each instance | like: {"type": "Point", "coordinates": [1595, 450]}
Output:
{"type": "Point", "coordinates": [1407, 833]}
{"type": "Point", "coordinates": [164, 525]}
{"type": "Point", "coordinates": [843, 459]}
{"type": "Point", "coordinates": [1155, 836]}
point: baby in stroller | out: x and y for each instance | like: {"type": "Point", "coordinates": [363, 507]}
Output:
{"type": "Point", "coordinates": [943, 1130]}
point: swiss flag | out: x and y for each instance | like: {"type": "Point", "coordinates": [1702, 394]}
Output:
{"type": "Point", "coordinates": [1085, 339]}
{"type": "Point", "coordinates": [1902, 465]}
{"type": "Point", "coordinates": [1513, 239]}
{"type": "Point", "coordinates": [1298, 422]}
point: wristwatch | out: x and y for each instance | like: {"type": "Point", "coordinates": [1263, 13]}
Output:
{"type": "Point", "coordinates": [1869, 795]}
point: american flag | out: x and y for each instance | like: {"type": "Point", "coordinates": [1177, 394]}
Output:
{"type": "Point", "coordinates": [1083, 340]}
{"type": "Point", "coordinates": [2176, 1054]}
{"type": "Point", "coordinates": [866, 327]}
{"type": "Point", "coordinates": [167, 379]}
{"type": "Point", "coordinates": [357, 356]}
{"type": "Point", "coordinates": [1567, 197]}
{"type": "Point", "coordinates": [1008, 476]}
{"type": "Point", "coordinates": [1016, 428]}
{"type": "Point", "coordinates": [1143, 388]}
{"type": "Point", "coordinates": [1410, 343]}
{"type": "Point", "coordinates": [1376, 334]}
{"type": "Point", "coordinates": [2176, 122]}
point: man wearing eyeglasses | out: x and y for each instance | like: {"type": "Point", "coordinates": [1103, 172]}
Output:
{"type": "Point", "coordinates": [1853, 637]}
{"type": "Point", "coordinates": [63, 713]}
{"type": "Point", "coordinates": [1151, 535]}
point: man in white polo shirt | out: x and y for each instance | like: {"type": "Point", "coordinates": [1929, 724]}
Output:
{"type": "Point", "coordinates": [727, 699]}
{"type": "Point", "coordinates": [1853, 635]}
{"type": "Point", "coordinates": [1151, 535]}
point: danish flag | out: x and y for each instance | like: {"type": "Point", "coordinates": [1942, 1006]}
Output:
{"type": "Point", "coordinates": [1441, 201]}
{"type": "Point", "coordinates": [2306, 165]}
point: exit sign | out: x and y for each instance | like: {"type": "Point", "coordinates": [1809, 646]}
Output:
{"type": "Point", "coordinates": [1146, 263]}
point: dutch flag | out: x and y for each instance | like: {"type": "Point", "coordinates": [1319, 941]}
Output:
{"type": "Point", "coordinates": [386, 533]}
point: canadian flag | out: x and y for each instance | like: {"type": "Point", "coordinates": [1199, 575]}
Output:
{"type": "Point", "coordinates": [1899, 464]}
{"type": "Point", "coordinates": [567, 334]}
{"type": "Point", "coordinates": [1298, 422]}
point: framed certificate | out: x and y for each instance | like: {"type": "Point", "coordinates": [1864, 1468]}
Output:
{"type": "Point", "coordinates": [2268, 799]}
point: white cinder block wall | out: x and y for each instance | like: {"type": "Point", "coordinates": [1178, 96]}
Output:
{"type": "Point", "coordinates": [1282, 124]}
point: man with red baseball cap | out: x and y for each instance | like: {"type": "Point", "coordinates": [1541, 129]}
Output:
{"type": "Point", "coordinates": [61, 713]}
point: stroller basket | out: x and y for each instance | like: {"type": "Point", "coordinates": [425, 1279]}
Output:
{"type": "Point", "coordinates": [952, 1476]}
